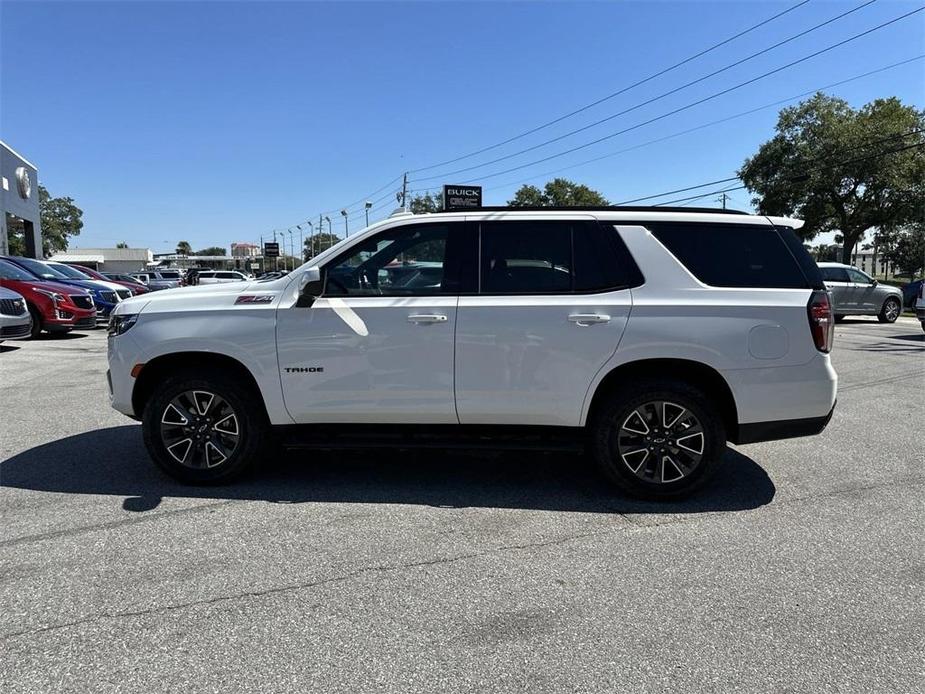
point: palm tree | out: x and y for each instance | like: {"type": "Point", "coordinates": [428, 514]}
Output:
{"type": "Point", "coordinates": [183, 248]}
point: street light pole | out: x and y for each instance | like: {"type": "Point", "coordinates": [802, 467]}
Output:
{"type": "Point", "coordinates": [312, 227]}
{"type": "Point", "coordinates": [292, 247]}
{"type": "Point", "coordinates": [346, 228]}
{"type": "Point", "coordinates": [367, 206]}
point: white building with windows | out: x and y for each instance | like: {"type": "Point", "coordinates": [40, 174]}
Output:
{"type": "Point", "coordinates": [121, 260]}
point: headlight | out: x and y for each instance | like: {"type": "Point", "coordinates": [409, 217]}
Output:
{"type": "Point", "coordinates": [54, 296]}
{"type": "Point", "coordinates": [120, 323]}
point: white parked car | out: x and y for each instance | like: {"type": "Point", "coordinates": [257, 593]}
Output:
{"type": "Point", "coordinates": [15, 319]}
{"type": "Point", "coordinates": [649, 337]}
{"type": "Point", "coordinates": [220, 277]}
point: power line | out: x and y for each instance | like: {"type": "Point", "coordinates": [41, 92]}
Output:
{"type": "Point", "coordinates": [707, 125]}
{"type": "Point", "coordinates": [795, 176]}
{"type": "Point", "coordinates": [699, 101]}
{"type": "Point", "coordinates": [614, 94]}
{"type": "Point", "coordinates": [654, 98]}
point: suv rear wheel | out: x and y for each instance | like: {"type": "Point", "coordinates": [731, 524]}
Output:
{"type": "Point", "coordinates": [204, 428]}
{"type": "Point", "coordinates": [658, 440]}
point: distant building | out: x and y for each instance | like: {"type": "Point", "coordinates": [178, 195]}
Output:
{"type": "Point", "coordinates": [864, 261]}
{"type": "Point", "coordinates": [244, 250]}
{"type": "Point", "coordinates": [19, 202]}
{"type": "Point", "coordinates": [107, 259]}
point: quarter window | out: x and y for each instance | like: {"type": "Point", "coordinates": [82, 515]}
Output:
{"type": "Point", "coordinates": [733, 255]}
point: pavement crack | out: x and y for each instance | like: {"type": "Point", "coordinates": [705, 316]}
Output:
{"type": "Point", "coordinates": [164, 609]}
{"type": "Point", "coordinates": [624, 523]}
{"type": "Point", "coordinates": [110, 525]}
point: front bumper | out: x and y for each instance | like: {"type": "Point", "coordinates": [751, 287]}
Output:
{"type": "Point", "coordinates": [15, 328]}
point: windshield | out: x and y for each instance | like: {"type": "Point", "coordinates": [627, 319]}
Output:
{"type": "Point", "coordinates": [69, 271]}
{"type": "Point", "coordinates": [8, 271]}
{"type": "Point", "coordinates": [37, 267]}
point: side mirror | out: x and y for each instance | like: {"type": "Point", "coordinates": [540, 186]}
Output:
{"type": "Point", "coordinates": [310, 287]}
{"type": "Point", "coordinates": [874, 282]}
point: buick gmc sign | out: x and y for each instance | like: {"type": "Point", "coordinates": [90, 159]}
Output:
{"type": "Point", "coordinates": [462, 197]}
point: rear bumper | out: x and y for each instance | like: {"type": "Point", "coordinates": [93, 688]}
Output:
{"type": "Point", "coordinates": [782, 429]}
{"type": "Point", "coordinates": [786, 393]}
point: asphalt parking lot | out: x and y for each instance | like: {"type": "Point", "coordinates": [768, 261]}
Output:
{"type": "Point", "coordinates": [800, 570]}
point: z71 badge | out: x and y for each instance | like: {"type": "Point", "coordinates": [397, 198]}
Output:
{"type": "Point", "coordinates": [254, 299]}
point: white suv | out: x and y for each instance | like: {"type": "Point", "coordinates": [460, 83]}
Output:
{"type": "Point", "coordinates": [648, 337]}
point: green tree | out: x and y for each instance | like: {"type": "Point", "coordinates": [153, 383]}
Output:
{"type": "Point", "coordinates": [559, 192]}
{"type": "Point", "coordinates": [840, 168]}
{"type": "Point", "coordinates": [428, 202]}
{"type": "Point", "coordinates": [313, 245]}
{"type": "Point", "coordinates": [122, 244]}
{"type": "Point", "coordinates": [61, 219]}
{"type": "Point", "coordinates": [907, 253]}
{"type": "Point", "coordinates": [183, 248]}
{"type": "Point", "coordinates": [211, 250]}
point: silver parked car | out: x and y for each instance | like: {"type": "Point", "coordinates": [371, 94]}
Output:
{"type": "Point", "coordinates": [15, 319]}
{"type": "Point", "coordinates": [158, 279]}
{"type": "Point", "coordinates": [855, 293]}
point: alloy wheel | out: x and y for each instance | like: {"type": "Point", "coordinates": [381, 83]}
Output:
{"type": "Point", "coordinates": [661, 442]}
{"type": "Point", "coordinates": [199, 429]}
{"type": "Point", "coordinates": [891, 310]}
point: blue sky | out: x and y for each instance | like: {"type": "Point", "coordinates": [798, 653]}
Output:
{"type": "Point", "coordinates": [215, 122]}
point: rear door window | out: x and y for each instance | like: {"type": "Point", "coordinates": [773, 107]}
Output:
{"type": "Point", "coordinates": [732, 255]}
{"type": "Point", "coordinates": [553, 257]}
{"type": "Point", "coordinates": [834, 274]}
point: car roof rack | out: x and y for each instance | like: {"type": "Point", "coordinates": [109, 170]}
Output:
{"type": "Point", "coordinates": [603, 208]}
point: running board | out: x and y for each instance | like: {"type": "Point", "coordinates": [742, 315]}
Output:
{"type": "Point", "coordinates": [460, 436]}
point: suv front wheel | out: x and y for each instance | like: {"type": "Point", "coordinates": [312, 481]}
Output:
{"type": "Point", "coordinates": [890, 311]}
{"type": "Point", "coordinates": [658, 439]}
{"type": "Point", "coordinates": [204, 428]}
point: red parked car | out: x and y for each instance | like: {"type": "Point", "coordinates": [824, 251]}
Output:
{"type": "Point", "coordinates": [135, 287]}
{"type": "Point", "coordinates": [55, 308]}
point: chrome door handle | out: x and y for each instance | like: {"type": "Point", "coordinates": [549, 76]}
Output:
{"type": "Point", "coordinates": [427, 318]}
{"type": "Point", "coordinates": [586, 319]}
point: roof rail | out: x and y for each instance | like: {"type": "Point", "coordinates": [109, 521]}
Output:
{"type": "Point", "coordinates": [603, 208]}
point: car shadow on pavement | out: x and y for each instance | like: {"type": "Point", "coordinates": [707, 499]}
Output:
{"type": "Point", "coordinates": [113, 461]}
{"type": "Point", "coordinates": [57, 337]}
{"type": "Point", "coordinates": [8, 348]}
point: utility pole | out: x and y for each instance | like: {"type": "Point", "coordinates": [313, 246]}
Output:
{"type": "Point", "coordinates": [722, 198]}
{"type": "Point", "coordinates": [404, 192]}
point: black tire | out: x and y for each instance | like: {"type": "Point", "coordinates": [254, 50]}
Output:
{"type": "Point", "coordinates": [887, 315]}
{"type": "Point", "coordinates": [250, 421]}
{"type": "Point", "coordinates": [36, 322]}
{"type": "Point", "coordinates": [607, 431]}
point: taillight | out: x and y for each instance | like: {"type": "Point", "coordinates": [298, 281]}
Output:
{"type": "Point", "coordinates": [821, 320]}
